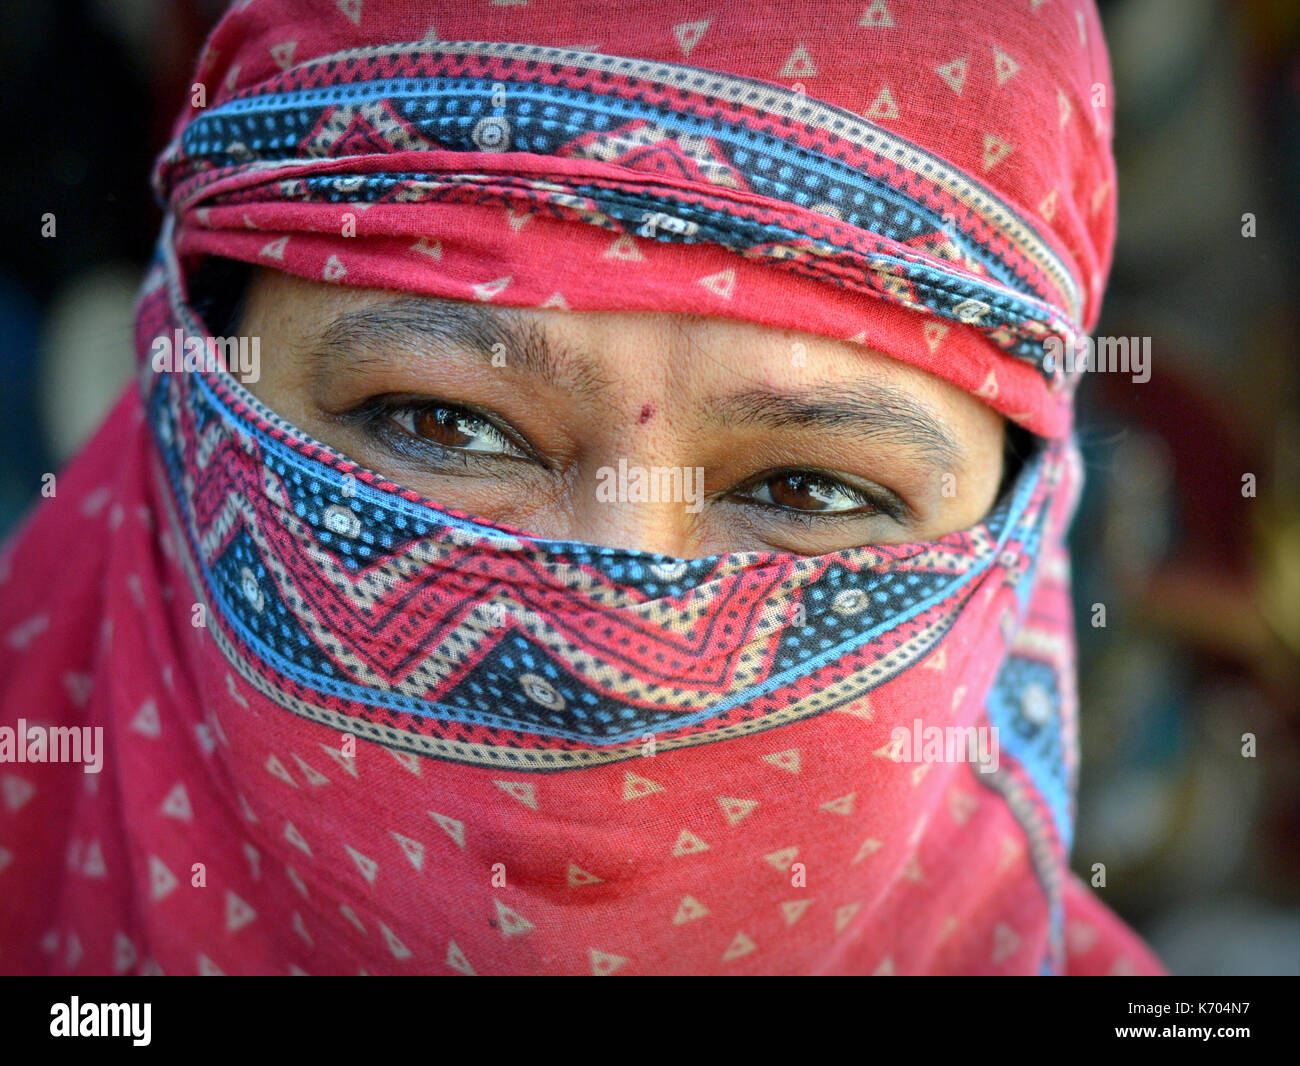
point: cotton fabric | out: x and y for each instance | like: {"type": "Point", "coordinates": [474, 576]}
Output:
{"type": "Point", "coordinates": [401, 739]}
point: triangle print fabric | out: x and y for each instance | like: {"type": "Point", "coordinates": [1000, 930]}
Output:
{"type": "Point", "coordinates": [347, 730]}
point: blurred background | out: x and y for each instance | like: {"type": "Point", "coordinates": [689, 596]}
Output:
{"type": "Point", "coordinates": [1200, 576]}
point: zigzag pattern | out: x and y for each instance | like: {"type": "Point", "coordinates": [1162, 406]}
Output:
{"type": "Point", "coordinates": [454, 644]}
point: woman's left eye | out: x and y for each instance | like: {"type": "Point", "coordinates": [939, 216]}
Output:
{"type": "Point", "coordinates": [453, 427]}
{"type": "Point", "coordinates": [810, 493]}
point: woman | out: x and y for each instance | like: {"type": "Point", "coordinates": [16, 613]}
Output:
{"type": "Point", "coordinates": [593, 503]}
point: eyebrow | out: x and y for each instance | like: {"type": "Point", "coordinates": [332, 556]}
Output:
{"type": "Point", "coordinates": [357, 339]}
{"type": "Point", "coordinates": [869, 411]}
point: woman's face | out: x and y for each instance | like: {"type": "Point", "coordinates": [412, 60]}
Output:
{"type": "Point", "coordinates": [661, 432]}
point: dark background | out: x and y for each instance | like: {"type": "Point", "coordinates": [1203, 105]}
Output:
{"type": "Point", "coordinates": [1201, 583]}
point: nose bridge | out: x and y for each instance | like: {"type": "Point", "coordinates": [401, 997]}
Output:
{"type": "Point", "coordinates": [639, 501]}
{"type": "Point", "coordinates": [640, 487]}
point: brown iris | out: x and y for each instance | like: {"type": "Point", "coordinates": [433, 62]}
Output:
{"type": "Point", "coordinates": [802, 492]}
{"type": "Point", "coordinates": [446, 426]}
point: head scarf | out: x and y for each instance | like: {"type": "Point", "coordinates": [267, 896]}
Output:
{"type": "Point", "coordinates": [348, 730]}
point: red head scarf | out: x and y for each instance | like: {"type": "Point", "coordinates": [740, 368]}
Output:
{"type": "Point", "coordinates": [345, 729]}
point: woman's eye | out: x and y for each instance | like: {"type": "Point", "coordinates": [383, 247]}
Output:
{"type": "Point", "coordinates": [810, 493]}
{"type": "Point", "coordinates": [454, 427]}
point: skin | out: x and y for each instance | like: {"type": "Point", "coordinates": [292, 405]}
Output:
{"type": "Point", "coordinates": [360, 370]}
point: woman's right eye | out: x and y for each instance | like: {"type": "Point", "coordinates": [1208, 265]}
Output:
{"type": "Point", "coordinates": [452, 427]}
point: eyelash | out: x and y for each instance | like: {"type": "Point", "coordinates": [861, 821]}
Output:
{"type": "Point", "coordinates": [377, 418]}
{"type": "Point", "coordinates": [874, 503]}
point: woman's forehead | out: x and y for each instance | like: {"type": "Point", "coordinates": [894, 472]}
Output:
{"type": "Point", "coordinates": [772, 375]}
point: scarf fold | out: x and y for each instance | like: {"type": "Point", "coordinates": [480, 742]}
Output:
{"type": "Point", "coordinates": [350, 730]}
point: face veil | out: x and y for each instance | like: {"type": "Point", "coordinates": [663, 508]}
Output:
{"type": "Point", "coordinates": [403, 739]}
